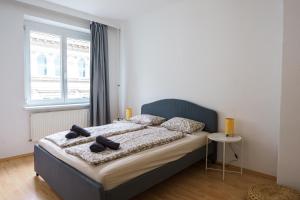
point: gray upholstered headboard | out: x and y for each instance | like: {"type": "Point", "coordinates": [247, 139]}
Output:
{"type": "Point", "coordinates": [169, 108]}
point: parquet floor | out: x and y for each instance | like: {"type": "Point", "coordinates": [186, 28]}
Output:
{"type": "Point", "coordinates": [18, 182]}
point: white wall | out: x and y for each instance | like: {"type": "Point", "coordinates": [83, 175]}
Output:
{"type": "Point", "coordinates": [225, 55]}
{"type": "Point", "coordinates": [289, 147]}
{"type": "Point", "coordinates": [14, 120]}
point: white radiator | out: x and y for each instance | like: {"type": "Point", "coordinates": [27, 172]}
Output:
{"type": "Point", "coordinates": [43, 124]}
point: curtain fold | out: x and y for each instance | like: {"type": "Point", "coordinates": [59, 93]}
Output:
{"type": "Point", "coordinates": [99, 88]}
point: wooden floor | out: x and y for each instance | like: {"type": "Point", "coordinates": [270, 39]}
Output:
{"type": "Point", "coordinates": [18, 182]}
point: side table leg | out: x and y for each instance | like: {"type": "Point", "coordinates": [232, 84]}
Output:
{"type": "Point", "coordinates": [224, 160]}
{"type": "Point", "coordinates": [206, 153]}
{"type": "Point", "coordinates": [242, 157]}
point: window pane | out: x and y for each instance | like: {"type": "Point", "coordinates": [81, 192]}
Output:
{"type": "Point", "coordinates": [45, 66]}
{"type": "Point", "coordinates": [78, 69]}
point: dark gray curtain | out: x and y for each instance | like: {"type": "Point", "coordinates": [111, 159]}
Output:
{"type": "Point", "coordinates": [99, 98]}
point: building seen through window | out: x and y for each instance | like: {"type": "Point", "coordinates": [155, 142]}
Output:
{"type": "Point", "coordinates": [46, 67]}
{"type": "Point", "coordinates": [42, 65]}
{"type": "Point", "coordinates": [57, 65]}
{"type": "Point", "coordinates": [81, 68]}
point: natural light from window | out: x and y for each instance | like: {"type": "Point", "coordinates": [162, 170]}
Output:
{"type": "Point", "coordinates": [58, 66]}
{"type": "Point", "coordinates": [78, 62]}
{"type": "Point", "coordinates": [45, 66]}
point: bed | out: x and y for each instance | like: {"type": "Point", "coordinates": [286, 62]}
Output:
{"type": "Point", "coordinates": [71, 182]}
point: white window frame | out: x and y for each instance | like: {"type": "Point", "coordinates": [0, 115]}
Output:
{"type": "Point", "coordinates": [64, 33]}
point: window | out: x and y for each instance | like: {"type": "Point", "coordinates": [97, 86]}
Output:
{"type": "Point", "coordinates": [78, 68]}
{"type": "Point", "coordinates": [57, 65]}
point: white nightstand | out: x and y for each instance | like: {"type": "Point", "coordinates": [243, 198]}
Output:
{"type": "Point", "coordinates": [221, 137]}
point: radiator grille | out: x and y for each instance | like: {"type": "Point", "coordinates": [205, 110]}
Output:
{"type": "Point", "coordinates": [43, 124]}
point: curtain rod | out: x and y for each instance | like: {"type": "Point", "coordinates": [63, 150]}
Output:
{"type": "Point", "coordinates": [71, 12]}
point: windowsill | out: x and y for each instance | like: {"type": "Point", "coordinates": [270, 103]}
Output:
{"type": "Point", "coordinates": [47, 108]}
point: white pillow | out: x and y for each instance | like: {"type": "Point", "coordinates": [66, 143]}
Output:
{"type": "Point", "coordinates": [146, 119]}
{"type": "Point", "coordinates": [183, 125]}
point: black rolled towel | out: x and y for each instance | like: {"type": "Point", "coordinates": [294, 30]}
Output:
{"type": "Point", "coordinates": [72, 135]}
{"type": "Point", "coordinates": [96, 147]}
{"type": "Point", "coordinates": [106, 142]}
{"type": "Point", "coordinates": [80, 130]}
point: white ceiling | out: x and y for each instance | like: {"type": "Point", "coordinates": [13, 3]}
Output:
{"type": "Point", "coordinates": [114, 9]}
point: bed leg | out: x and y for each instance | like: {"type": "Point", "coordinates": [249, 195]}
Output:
{"type": "Point", "coordinates": [36, 174]}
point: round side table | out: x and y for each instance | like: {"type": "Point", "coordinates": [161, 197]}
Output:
{"type": "Point", "coordinates": [221, 137]}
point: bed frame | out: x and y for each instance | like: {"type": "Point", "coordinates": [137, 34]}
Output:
{"type": "Point", "coordinates": [71, 184]}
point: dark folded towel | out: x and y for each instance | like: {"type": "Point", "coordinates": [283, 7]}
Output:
{"type": "Point", "coordinates": [108, 143]}
{"type": "Point", "coordinates": [80, 130]}
{"type": "Point", "coordinates": [72, 135]}
{"type": "Point", "coordinates": [96, 147]}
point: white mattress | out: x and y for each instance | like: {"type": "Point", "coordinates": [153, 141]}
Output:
{"type": "Point", "coordinates": [116, 172]}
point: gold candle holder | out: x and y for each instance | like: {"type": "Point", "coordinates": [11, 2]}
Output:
{"type": "Point", "coordinates": [128, 113]}
{"type": "Point", "coordinates": [229, 126]}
